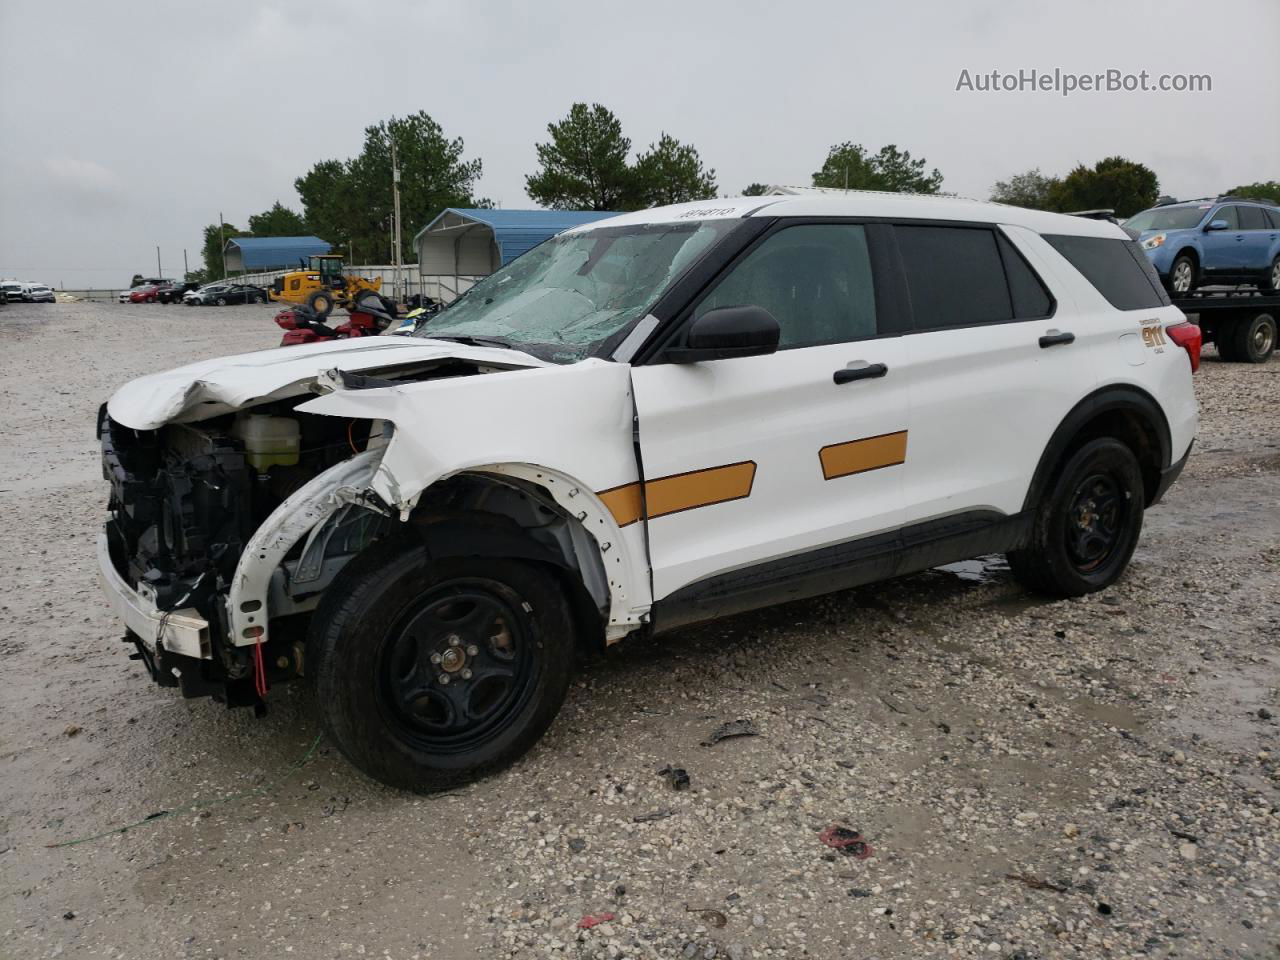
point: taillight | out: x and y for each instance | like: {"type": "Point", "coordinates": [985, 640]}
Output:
{"type": "Point", "coordinates": [1187, 336]}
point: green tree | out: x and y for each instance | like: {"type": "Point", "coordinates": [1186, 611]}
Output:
{"type": "Point", "coordinates": [850, 166]}
{"type": "Point", "coordinates": [755, 190]}
{"type": "Point", "coordinates": [1111, 184]}
{"type": "Point", "coordinates": [1259, 191]}
{"type": "Point", "coordinates": [350, 202]}
{"type": "Point", "coordinates": [669, 172]}
{"type": "Point", "coordinates": [1031, 189]}
{"type": "Point", "coordinates": [584, 165]}
{"type": "Point", "coordinates": [279, 221]}
{"type": "Point", "coordinates": [211, 250]}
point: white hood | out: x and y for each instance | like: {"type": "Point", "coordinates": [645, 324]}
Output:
{"type": "Point", "coordinates": [214, 387]}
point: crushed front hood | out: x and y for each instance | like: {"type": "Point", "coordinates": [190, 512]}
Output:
{"type": "Point", "coordinates": [214, 387]}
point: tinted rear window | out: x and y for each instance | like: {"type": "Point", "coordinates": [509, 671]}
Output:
{"type": "Point", "coordinates": [955, 276]}
{"type": "Point", "coordinates": [1112, 269]}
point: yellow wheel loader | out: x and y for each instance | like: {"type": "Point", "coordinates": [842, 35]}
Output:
{"type": "Point", "coordinates": [322, 285]}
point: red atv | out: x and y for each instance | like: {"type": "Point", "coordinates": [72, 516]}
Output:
{"type": "Point", "coordinates": [367, 318]}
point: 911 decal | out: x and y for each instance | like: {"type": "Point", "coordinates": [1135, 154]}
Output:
{"type": "Point", "coordinates": [1153, 335]}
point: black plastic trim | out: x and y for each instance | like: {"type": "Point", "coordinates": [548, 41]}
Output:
{"type": "Point", "coordinates": [881, 556]}
{"type": "Point", "coordinates": [1118, 397]}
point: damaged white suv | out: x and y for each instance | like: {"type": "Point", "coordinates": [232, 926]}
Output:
{"type": "Point", "coordinates": [652, 420]}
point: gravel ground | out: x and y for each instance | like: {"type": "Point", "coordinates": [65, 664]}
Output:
{"type": "Point", "coordinates": [1092, 778]}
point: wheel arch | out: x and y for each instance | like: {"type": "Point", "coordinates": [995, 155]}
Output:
{"type": "Point", "coordinates": [540, 516]}
{"type": "Point", "coordinates": [1125, 412]}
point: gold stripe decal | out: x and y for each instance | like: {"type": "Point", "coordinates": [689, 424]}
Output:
{"type": "Point", "coordinates": [859, 456]}
{"type": "Point", "coordinates": [679, 492]}
{"type": "Point", "coordinates": [623, 502]}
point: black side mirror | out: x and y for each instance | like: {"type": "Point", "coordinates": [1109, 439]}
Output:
{"type": "Point", "coordinates": [728, 332]}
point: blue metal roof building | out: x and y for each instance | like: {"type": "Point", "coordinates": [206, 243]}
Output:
{"type": "Point", "coordinates": [271, 253]}
{"type": "Point", "coordinates": [473, 243]}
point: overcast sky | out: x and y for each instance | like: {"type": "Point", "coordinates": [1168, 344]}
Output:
{"type": "Point", "coordinates": [127, 125]}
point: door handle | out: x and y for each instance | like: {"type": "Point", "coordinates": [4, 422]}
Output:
{"type": "Point", "coordinates": [867, 371]}
{"type": "Point", "coordinates": [1055, 337]}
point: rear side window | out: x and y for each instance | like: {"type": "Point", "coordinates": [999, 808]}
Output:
{"type": "Point", "coordinates": [955, 276]}
{"type": "Point", "coordinates": [1251, 218]}
{"type": "Point", "coordinates": [1030, 299]}
{"type": "Point", "coordinates": [1112, 269]}
{"type": "Point", "coordinates": [1274, 215]}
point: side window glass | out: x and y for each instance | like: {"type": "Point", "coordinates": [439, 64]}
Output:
{"type": "Point", "coordinates": [1112, 267]}
{"type": "Point", "coordinates": [955, 276]}
{"type": "Point", "coordinates": [1030, 299]}
{"type": "Point", "coordinates": [1251, 218]}
{"type": "Point", "coordinates": [1227, 213]}
{"type": "Point", "coordinates": [815, 279]}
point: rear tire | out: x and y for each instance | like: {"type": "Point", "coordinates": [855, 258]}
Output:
{"type": "Point", "coordinates": [397, 623]}
{"type": "Point", "coordinates": [1270, 281]}
{"type": "Point", "coordinates": [321, 301]}
{"type": "Point", "coordinates": [1086, 525]}
{"type": "Point", "coordinates": [221, 301]}
{"type": "Point", "coordinates": [1184, 275]}
{"type": "Point", "coordinates": [1254, 339]}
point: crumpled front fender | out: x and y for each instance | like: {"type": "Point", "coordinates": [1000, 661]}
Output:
{"type": "Point", "coordinates": [309, 506]}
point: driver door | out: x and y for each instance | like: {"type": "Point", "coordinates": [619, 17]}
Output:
{"type": "Point", "coordinates": [751, 459]}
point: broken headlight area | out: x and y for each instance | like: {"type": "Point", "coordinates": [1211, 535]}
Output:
{"type": "Point", "coordinates": [186, 499]}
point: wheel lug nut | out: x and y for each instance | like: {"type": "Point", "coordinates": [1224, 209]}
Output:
{"type": "Point", "coordinates": [466, 674]}
{"type": "Point", "coordinates": [454, 641]}
{"type": "Point", "coordinates": [444, 679]}
{"type": "Point", "coordinates": [472, 650]}
{"type": "Point", "coordinates": [435, 658]}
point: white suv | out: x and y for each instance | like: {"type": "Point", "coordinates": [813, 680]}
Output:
{"type": "Point", "coordinates": [652, 420]}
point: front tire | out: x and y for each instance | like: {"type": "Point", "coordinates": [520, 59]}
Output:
{"type": "Point", "coordinates": [1183, 275]}
{"type": "Point", "coordinates": [1086, 525]}
{"type": "Point", "coordinates": [433, 673]}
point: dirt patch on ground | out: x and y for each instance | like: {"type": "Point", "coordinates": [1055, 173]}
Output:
{"type": "Point", "coordinates": [1094, 778]}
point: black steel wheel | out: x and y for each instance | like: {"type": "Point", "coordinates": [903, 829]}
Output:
{"type": "Point", "coordinates": [1086, 525]}
{"type": "Point", "coordinates": [432, 673]}
{"type": "Point", "coordinates": [1255, 339]}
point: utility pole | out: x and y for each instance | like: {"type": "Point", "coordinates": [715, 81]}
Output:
{"type": "Point", "coordinates": [395, 196]}
{"type": "Point", "coordinates": [159, 272]}
{"type": "Point", "coordinates": [222, 239]}
{"type": "Point", "coordinates": [185, 268]}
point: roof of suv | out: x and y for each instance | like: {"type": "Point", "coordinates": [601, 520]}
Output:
{"type": "Point", "coordinates": [865, 203]}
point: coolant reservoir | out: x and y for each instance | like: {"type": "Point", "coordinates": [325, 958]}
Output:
{"type": "Point", "coordinates": [268, 441]}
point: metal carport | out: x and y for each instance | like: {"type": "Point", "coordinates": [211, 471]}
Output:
{"type": "Point", "coordinates": [463, 244]}
{"type": "Point", "coordinates": [270, 253]}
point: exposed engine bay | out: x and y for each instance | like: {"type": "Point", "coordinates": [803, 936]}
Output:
{"type": "Point", "coordinates": [230, 518]}
{"type": "Point", "coordinates": [186, 499]}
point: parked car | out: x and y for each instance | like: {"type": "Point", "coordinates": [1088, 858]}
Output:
{"type": "Point", "coordinates": [656, 419]}
{"type": "Point", "coordinates": [222, 294]}
{"type": "Point", "coordinates": [144, 294]}
{"type": "Point", "coordinates": [39, 293]}
{"type": "Point", "coordinates": [12, 290]}
{"type": "Point", "coordinates": [123, 296]}
{"type": "Point", "coordinates": [1224, 240]}
{"type": "Point", "coordinates": [174, 292]}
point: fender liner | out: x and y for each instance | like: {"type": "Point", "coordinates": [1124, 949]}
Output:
{"type": "Point", "coordinates": [1119, 398]}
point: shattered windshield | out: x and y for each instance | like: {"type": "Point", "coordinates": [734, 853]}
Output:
{"type": "Point", "coordinates": [569, 294]}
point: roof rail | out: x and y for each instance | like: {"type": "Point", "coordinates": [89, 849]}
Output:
{"type": "Point", "coordinates": [1231, 196]}
{"type": "Point", "coordinates": [1107, 214]}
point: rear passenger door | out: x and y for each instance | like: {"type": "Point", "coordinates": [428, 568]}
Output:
{"type": "Point", "coordinates": [1258, 238]}
{"type": "Point", "coordinates": [751, 459]}
{"type": "Point", "coordinates": [995, 363]}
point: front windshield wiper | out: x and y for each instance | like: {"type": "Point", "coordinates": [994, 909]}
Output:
{"type": "Point", "coordinates": [474, 341]}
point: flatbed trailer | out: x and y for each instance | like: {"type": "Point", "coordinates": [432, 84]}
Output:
{"type": "Point", "coordinates": [1242, 323]}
